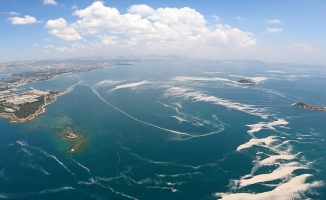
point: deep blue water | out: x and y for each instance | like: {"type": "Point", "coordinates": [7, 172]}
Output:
{"type": "Point", "coordinates": [172, 130]}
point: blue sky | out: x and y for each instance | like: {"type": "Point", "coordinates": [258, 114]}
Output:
{"type": "Point", "coordinates": [273, 31]}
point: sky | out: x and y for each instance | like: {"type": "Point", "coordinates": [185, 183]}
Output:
{"type": "Point", "coordinates": [292, 31]}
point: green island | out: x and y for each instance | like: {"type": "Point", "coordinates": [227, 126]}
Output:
{"type": "Point", "coordinates": [22, 107]}
{"type": "Point", "coordinates": [308, 107]}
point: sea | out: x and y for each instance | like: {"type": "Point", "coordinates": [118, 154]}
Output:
{"type": "Point", "coordinates": [172, 129]}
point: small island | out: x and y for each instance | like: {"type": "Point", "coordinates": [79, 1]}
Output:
{"type": "Point", "coordinates": [246, 81]}
{"type": "Point", "coordinates": [25, 106]}
{"type": "Point", "coordinates": [308, 107]}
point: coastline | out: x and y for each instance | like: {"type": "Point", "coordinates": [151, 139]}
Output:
{"type": "Point", "coordinates": [14, 119]}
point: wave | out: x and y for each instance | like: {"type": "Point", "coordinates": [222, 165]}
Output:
{"type": "Point", "coordinates": [199, 96]}
{"type": "Point", "coordinates": [129, 85]}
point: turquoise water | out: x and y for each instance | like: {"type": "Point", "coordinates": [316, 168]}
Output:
{"type": "Point", "coordinates": [172, 130]}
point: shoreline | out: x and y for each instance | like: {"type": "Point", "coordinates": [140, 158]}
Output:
{"type": "Point", "coordinates": [14, 119]}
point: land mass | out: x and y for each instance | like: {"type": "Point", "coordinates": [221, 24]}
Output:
{"type": "Point", "coordinates": [308, 107]}
{"type": "Point", "coordinates": [25, 106]}
{"type": "Point", "coordinates": [246, 81]}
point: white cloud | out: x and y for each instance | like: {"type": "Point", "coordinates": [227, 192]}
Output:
{"type": "Point", "coordinates": [240, 18]}
{"type": "Point", "coordinates": [274, 21]}
{"type": "Point", "coordinates": [13, 13]}
{"type": "Point", "coordinates": [48, 47]}
{"type": "Point", "coordinates": [73, 47]}
{"type": "Point", "coordinates": [49, 2]}
{"type": "Point", "coordinates": [108, 40]}
{"type": "Point", "coordinates": [74, 7]}
{"type": "Point", "coordinates": [175, 26]}
{"type": "Point", "coordinates": [216, 18]}
{"type": "Point", "coordinates": [60, 29]}
{"type": "Point", "coordinates": [22, 20]}
{"type": "Point", "coordinates": [301, 47]}
{"type": "Point", "coordinates": [274, 30]}
{"type": "Point", "coordinates": [35, 45]}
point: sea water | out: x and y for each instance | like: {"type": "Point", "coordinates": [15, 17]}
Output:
{"type": "Point", "coordinates": [172, 130]}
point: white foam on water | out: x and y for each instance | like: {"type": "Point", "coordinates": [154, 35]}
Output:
{"type": "Point", "coordinates": [180, 120]}
{"type": "Point", "coordinates": [38, 168]}
{"type": "Point", "coordinates": [107, 82]}
{"type": "Point", "coordinates": [23, 143]}
{"type": "Point", "coordinates": [69, 89]}
{"type": "Point", "coordinates": [176, 183]}
{"type": "Point", "coordinates": [55, 158]}
{"type": "Point", "coordinates": [269, 125]}
{"type": "Point", "coordinates": [163, 188]}
{"type": "Point", "coordinates": [82, 166]}
{"type": "Point", "coordinates": [178, 175]}
{"type": "Point", "coordinates": [138, 120]}
{"type": "Point", "coordinates": [25, 151]}
{"type": "Point", "coordinates": [107, 187]}
{"type": "Point", "coordinates": [6, 145]}
{"type": "Point", "coordinates": [290, 190]}
{"type": "Point", "coordinates": [273, 158]}
{"type": "Point", "coordinates": [259, 142]}
{"type": "Point", "coordinates": [283, 171]}
{"type": "Point", "coordinates": [186, 78]}
{"type": "Point", "coordinates": [199, 96]}
{"type": "Point", "coordinates": [56, 190]}
{"type": "Point", "coordinates": [129, 85]}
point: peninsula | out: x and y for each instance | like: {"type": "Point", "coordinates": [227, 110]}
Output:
{"type": "Point", "coordinates": [23, 107]}
{"type": "Point", "coordinates": [308, 107]}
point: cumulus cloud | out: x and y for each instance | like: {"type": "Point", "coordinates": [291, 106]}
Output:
{"type": "Point", "coordinates": [23, 20]}
{"type": "Point", "coordinates": [108, 40]}
{"type": "Point", "coordinates": [73, 47]}
{"type": "Point", "coordinates": [158, 26]}
{"type": "Point", "coordinates": [53, 2]}
{"type": "Point", "coordinates": [274, 30]}
{"type": "Point", "coordinates": [274, 21]}
{"type": "Point", "coordinates": [62, 30]}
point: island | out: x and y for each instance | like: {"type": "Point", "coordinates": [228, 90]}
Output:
{"type": "Point", "coordinates": [308, 107]}
{"type": "Point", "coordinates": [246, 81]}
{"type": "Point", "coordinates": [25, 106]}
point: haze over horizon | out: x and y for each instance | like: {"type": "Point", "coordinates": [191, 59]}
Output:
{"type": "Point", "coordinates": [291, 31]}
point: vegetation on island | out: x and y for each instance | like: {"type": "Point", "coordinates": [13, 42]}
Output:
{"type": "Point", "coordinates": [29, 108]}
